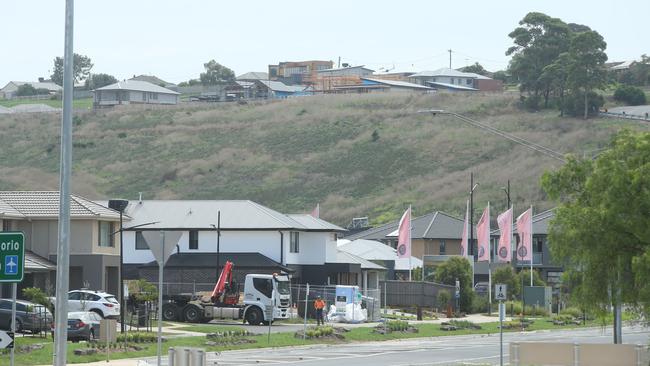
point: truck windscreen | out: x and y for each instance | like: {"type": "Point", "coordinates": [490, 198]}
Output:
{"type": "Point", "coordinates": [283, 287]}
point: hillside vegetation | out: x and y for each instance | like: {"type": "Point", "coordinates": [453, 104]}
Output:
{"type": "Point", "coordinates": [358, 155]}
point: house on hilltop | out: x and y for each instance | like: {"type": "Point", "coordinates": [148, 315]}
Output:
{"type": "Point", "coordinates": [9, 90]}
{"type": "Point", "coordinates": [154, 80]}
{"type": "Point", "coordinates": [133, 92]}
{"type": "Point", "coordinates": [454, 80]}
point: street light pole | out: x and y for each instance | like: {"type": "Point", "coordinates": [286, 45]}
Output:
{"type": "Point", "coordinates": [218, 229]}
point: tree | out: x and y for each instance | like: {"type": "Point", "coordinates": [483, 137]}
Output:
{"type": "Point", "coordinates": [555, 75]}
{"type": "Point", "coordinates": [501, 75]}
{"type": "Point", "coordinates": [81, 69]}
{"type": "Point", "coordinates": [215, 72]}
{"type": "Point", "coordinates": [457, 268]}
{"type": "Point", "coordinates": [587, 65]}
{"type": "Point", "coordinates": [506, 275]}
{"type": "Point", "coordinates": [95, 81]}
{"type": "Point", "coordinates": [538, 40]}
{"type": "Point", "coordinates": [601, 229]}
{"type": "Point", "coordinates": [524, 276]}
{"type": "Point", "coordinates": [631, 95]}
{"type": "Point", "coordinates": [26, 90]}
{"type": "Point", "coordinates": [476, 68]}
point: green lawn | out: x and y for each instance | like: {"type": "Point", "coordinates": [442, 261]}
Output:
{"type": "Point", "coordinates": [85, 103]}
{"type": "Point", "coordinates": [44, 356]}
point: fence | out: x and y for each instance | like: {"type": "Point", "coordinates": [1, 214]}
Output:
{"type": "Point", "coordinates": [414, 293]}
{"type": "Point", "coordinates": [370, 300]}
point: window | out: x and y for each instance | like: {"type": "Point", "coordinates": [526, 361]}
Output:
{"type": "Point", "coordinates": [294, 243]}
{"type": "Point", "coordinates": [6, 225]}
{"type": "Point", "coordinates": [443, 247]}
{"type": "Point", "coordinates": [538, 244]}
{"type": "Point", "coordinates": [263, 285]}
{"type": "Point", "coordinates": [452, 81]}
{"type": "Point", "coordinates": [194, 239]}
{"type": "Point", "coordinates": [105, 234]}
{"type": "Point", "coordinates": [90, 297]}
{"type": "Point", "coordinates": [74, 296]}
{"type": "Point", "coordinates": [144, 96]}
{"type": "Point", "coordinates": [469, 81]}
{"type": "Point", "coordinates": [140, 243]}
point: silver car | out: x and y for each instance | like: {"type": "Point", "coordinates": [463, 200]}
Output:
{"type": "Point", "coordinates": [83, 325]}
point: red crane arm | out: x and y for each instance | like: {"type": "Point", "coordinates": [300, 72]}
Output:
{"type": "Point", "coordinates": [224, 277]}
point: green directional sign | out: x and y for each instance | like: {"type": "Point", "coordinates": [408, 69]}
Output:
{"type": "Point", "coordinates": [12, 256]}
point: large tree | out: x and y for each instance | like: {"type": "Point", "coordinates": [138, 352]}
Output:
{"type": "Point", "coordinates": [586, 70]}
{"type": "Point", "coordinates": [475, 68]}
{"type": "Point", "coordinates": [538, 41]}
{"type": "Point", "coordinates": [81, 68]}
{"type": "Point", "coordinates": [215, 72]}
{"type": "Point", "coordinates": [95, 81]}
{"type": "Point", "coordinates": [601, 229]}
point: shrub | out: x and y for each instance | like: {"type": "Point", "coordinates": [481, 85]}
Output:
{"type": "Point", "coordinates": [464, 324]}
{"type": "Point", "coordinates": [574, 104]}
{"type": "Point", "coordinates": [479, 304]}
{"type": "Point", "coordinates": [443, 299]}
{"type": "Point", "coordinates": [630, 95]}
{"type": "Point", "coordinates": [397, 325]}
{"type": "Point", "coordinates": [574, 312]}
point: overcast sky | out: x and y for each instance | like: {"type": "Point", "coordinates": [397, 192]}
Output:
{"type": "Point", "coordinates": [172, 39]}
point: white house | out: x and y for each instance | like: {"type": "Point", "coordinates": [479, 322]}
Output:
{"type": "Point", "coordinates": [133, 92]}
{"type": "Point", "coordinates": [255, 238]}
{"type": "Point", "coordinates": [9, 90]}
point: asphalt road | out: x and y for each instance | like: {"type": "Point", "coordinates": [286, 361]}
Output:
{"type": "Point", "coordinates": [451, 350]}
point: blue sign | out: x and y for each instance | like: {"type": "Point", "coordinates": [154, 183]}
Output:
{"type": "Point", "coordinates": [11, 265]}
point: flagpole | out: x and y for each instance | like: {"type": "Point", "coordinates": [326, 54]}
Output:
{"type": "Point", "coordinates": [489, 263]}
{"type": "Point", "coordinates": [531, 245]}
{"type": "Point", "coordinates": [410, 248]}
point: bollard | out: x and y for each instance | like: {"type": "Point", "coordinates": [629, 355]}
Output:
{"type": "Point", "coordinates": [639, 352]}
{"type": "Point", "coordinates": [171, 355]}
{"type": "Point", "coordinates": [515, 353]}
{"type": "Point", "coordinates": [198, 357]}
{"type": "Point", "coordinates": [576, 354]}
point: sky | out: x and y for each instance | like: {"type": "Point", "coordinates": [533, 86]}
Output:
{"type": "Point", "coordinates": [172, 39]}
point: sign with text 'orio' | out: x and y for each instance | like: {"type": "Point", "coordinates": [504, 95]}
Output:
{"type": "Point", "coordinates": [12, 256]}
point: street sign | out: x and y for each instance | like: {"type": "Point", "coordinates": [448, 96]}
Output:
{"type": "Point", "coordinates": [162, 243]}
{"type": "Point", "coordinates": [500, 291]}
{"type": "Point", "coordinates": [12, 256]}
{"type": "Point", "coordinates": [6, 339]}
{"type": "Point", "coordinates": [457, 292]}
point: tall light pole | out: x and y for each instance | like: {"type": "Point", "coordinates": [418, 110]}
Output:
{"type": "Point", "coordinates": [218, 229]}
{"type": "Point", "coordinates": [63, 249]}
{"type": "Point", "coordinates": [470, 245]}
{"type": "Point", "coordinates": [120, 206]}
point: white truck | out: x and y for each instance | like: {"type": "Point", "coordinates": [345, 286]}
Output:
{"type": "Point", "coordinates": [266, 298]}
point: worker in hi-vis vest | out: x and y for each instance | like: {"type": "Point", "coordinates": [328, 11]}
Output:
{"type": "Point", "coordinates": [319, 305]}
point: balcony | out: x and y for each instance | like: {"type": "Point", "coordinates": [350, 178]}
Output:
{"type": "Point", "coordinates": [538, 259]}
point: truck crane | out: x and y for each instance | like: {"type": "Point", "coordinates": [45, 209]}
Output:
{"type": "Point", "coordinates": [266, 298]}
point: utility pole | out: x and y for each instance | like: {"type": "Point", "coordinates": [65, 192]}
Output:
{"type": "Point", "coordinates": [63, 249]}
{"type": "Point", "coordinates": [450, 58]}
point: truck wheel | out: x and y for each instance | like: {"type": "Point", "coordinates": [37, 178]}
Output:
{"type": "Point", "coordinates": [254, 316]}
{"type": "Point", "coordinates": [170, 312]}
{"type": "Point", "coordinates": [192, 313]}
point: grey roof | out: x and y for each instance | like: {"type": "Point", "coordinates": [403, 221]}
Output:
{"type": "Point", "coordinates": [435, 225]}
{"type": "Point", "coordinates": [152, 79]}
{"type": "Point", "coordinates": [137, 85]}
{"type": "Point", "coordinates": [397, 83]}
{"type": "Point", "coordinates": [443, 72]}
{"type": "Point", "coordinates": [254, 75]}
{"type": "Point", "coordinates": [371, 250]}
{"type": "Point", "coordinates": [451, 86]}
{"type": "Point", "coordinates": [45, 204]}
{"type": "Point", "coordinates": [202, 214]}
{"type": "Point", "coordinates": [36, 263]}
{"type": "Point", "coordinates": [279, 86]}
{"type": "Point", "coordinates": [402, 264]}
{"type": "Point", "coordinates": [38, 85]}
{"type": "Point", "coordinates": [541, 223]}
{"type": "Point", "coordinates": [345, 257]}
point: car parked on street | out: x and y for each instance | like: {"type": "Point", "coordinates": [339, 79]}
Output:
{"type": "Point", "coordinates": [103, 304]}
{"type": "Point", "coordinates": [29, 316]}
{"type": "Point", "coordinates": [83, 325]}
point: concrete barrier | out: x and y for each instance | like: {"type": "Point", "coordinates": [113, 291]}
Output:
{"type": "Point", "coordinates": [575, 354]}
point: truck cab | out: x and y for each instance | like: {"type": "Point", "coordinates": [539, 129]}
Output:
{"type": "Point", "coordinates": [266, 298]}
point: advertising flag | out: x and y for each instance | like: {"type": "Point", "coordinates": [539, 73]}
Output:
{"type": "Point", "coordinates": [316, 211]}
{"type": "Point", "coordinates": [404, 235]}
{"type": "Point", "coordinates": [464, 236]}
{"type": "Point", "coordinates": [505, 240]}
{"type": "Point", "coordinates": [525, 231]}
{"type": "Point", "coordinates": [483, 235]}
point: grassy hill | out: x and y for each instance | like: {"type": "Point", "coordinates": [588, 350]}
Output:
{"type": "Point", "coordinates": [357, 155]}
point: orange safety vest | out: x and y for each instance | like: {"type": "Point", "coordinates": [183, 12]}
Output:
{"type": "Point", "coordinates": [319, 304]}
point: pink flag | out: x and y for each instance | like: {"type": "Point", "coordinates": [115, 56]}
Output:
{"type": "Point", "coordinates": [505, 240]}
{"type": "Point", "coordinates": [404, 235]}
{"type": "Point", "coordinates": [465, 234]}
{"type": "Point", "coordinates": [316, 211]}
{"type": "Point", "coordinates": [483, 235]}
{"type": "Point", "coordinates": [525, 231]}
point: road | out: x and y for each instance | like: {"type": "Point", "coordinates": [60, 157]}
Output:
{"type": "Point", "coordinates": [450, 350]}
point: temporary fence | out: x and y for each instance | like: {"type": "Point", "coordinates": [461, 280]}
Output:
{"type": "Point", "coordinates": [370, 299]}
{"type": "Point", "coordinates": [414, 293]}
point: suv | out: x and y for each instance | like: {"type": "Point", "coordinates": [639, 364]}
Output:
{"type": "Point", "coordinates": [29, 316]}
{"type": "Point", "coordinates": [105, 305]}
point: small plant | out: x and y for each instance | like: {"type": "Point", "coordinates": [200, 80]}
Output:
{"type": "Point", "coordinates": [121, 135]}
{"type": "Point", "coordinates": [397, 325]}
